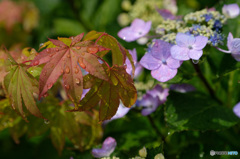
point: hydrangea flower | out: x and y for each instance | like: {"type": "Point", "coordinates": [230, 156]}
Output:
{"type": "Point", "coordinates": [138, 29]}
{"type": "Point", "coordinates": [182, 88]}
{"type": "Point", "coordinates": [138, 66]}
{"type": "Point", "coordinates": [236, 109]}
{"type": "Point", "coordinates": [188, 47]}
{"type": "Point", "coordinates": [233, 45]}
{"type": "Point", "coordinates": [159, 60]}
{"type": "Point", "coordinates": [152, 99]}
{"type": "Point", "coordinates": [231, 10]}
{"type": "Point", "coordinates": [108, 147]}
{"type": "Point", "coordinates": [121, 112]}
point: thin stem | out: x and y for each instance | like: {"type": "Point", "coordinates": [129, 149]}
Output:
{"type": "Point", "coordinates": [225, 51]}
{"type": "Point", "coordinates": [205, 82]}
{"type": "Point", "coordinates": [155, 128]}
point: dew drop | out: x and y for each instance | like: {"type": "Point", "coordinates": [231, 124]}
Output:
{"type": "Point", "coordinates": [195, 61]}
{"type": "Point", "coordinates": [67, 70]}
{"type": "Point", "coordinates": [36, 62]}
{"type": "Point", "coordinates": [44, 73]}
{"type": "Point", "coordinates": [76, 70]}
{"type": "Point", "coordinates": [46, 121]}
{"type": "Point", "coordinates": [78, 47]}
{"type": "Point", "coordinates": [49, 85]}
{"type": "Point", "coordinates": [92, 50]}
{"type": "Point", "coordinates": [71, 37]}
{"type": "Point", "coordinates": [48, 50]}
{"type": "Point", "coordinates": [68, 55]}
{"type": "Point", "coordinates": [41, 44]}
{"type": "Point", "coordinates": [45, 95]}
{"type": "Point", "coordinates": [83, 53]}
{"type": "Point", "coordinates": [82, 65]}
{"type": "Point", "coordinates": [73, 43]}
{"type": "Point", "coordinates": [61, 70]}
{"type": "Point", "coordinates": [57, 49]}
{"type": "Point", "coordinates": [67, 86]}
{"type": "Point", "coordinates": [77, 80]}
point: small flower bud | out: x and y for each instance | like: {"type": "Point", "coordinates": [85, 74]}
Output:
{"type": "Point", "coordinates": [143, 152]}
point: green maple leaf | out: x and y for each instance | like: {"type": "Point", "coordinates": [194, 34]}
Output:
{"type": "Point", "coordinates": [20, 86]}
{"type": "Point", "coordinates": [108, 93]}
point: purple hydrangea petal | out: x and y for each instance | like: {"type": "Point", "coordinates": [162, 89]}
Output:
{"type": "Point", "coordinates": [134, 55]}
{"type": "Point", "coordinates": [179, 53]}
{"type": "Point", "coordinates": [236, 109]}
{"type": "Point", "coordinates": [161, 50]}
{"type": "Point", "coordinates": [127, 34]}
{"type": "Point", "coordinates": [163, 73]}
{"type": "Point", "coordinates": [173, 63]}
{"type": "Point", "coordinates": [184, 40]}
{"type": "Point", "coordinates": [149, 103]}
{"type": "Point", "coordinates": [137, 29]}
{"type": "Point", "coordinates": [231, 10]}
{"type": "Point", "coordinates": [236, 57]}
{"type": "Point", "coordinates": [160, 93]}
{"type": "Point", "coordinates": [148, 110]}
{"type": "Point", "coordinates": [121, 112]}
{"type": "Point", "coordinates": [166, 14]}
{"type": "Point", "coordinates": [149, 62]}
{"type": "Point", "coordinates": [235, 46]}
{"type": "Point", "coordinates": [200, 43]}
{"type": "Point", "coordinates": [108, 147]}
{"type": "Point", "coordinates": [229, 41]}
{"type": "Point", "coordinates": [182, 88]}
{"type": "Point", "coordinates": [138, 69]}
{"type": "Point", "coordinates": [195, 54]}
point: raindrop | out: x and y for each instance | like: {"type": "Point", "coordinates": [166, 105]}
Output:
{"type": "Point", "coordinates": [67, 70]}
{"type": "Point", "coordinates": [41, 44]}
{"type": "Point", "coordinates": [71, 37]}
{"type": "Point", "coordinates": [57, 49]}
{"type": "Point", "coordinates": [76, 70]}
{"type": "Point", "coordinates": [46, 121]}
{"type": "Point", "coordinates": [68, 55]}
{"type": "Point", "coordinates": [67, 86]}
{"type": "Point", "coordinates": [82, 65]}
{"type": "Point", "coordinates": [45, 95]}
{"type": "Point", "coordinates": [49, 85]}
{"type": "Point", "coordinates": [83, 53]}
{"type": "Point", "coordinates": [124, 38]}
{"type": "Point", "coordinates": [77, 80]}
{"type": "Point", "coordinates": [73, 43]}
{"type": "Point", "coordinates": [61, 70]}
{"type": "Point", "coordinates": [36, 62]}
{"type": "Point", "coordinates": [92, 50]}
{"type": "Point", "coordinates": [195, 61]}
{"type": "Point", "coordinates": [78, 47]}
{"type": "Point", "coordinates": [48, 50]}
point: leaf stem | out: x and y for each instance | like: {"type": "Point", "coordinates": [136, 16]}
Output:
{"type": "Point", "coordinates": [150, 119]}
{"type": "Point", "coordinates": [102, 60]}
{"type": "Point", "coordinates": [205, 82]}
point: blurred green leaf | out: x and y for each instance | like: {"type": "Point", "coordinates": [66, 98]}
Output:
{"type": "Point", "coordinates": [195, 111]}
{"type": "Point", "coordinates": [68, 27]}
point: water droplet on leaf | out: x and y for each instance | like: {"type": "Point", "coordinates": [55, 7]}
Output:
{"type": "Point", "coordinates": [36, 62]}
{"type": "Point", "coordinates": [67, 70]}
{"type": "Point", "coordinates": [83, 53]}
{"type": "Point", "coordinates": [77, 80]}
{"type": "Point", "coordinates": [67, 86]}
{"type": "Point", "coordinates": [195, 61]}
{"type": "Point", "coordinates": [92, 50]}
{"type": "Point", "coordinates": [46, 121]}
{"type": "Point", "coordinates": [41, 44]}
{"type": "Point", "coordinates": [48, 50]}
{"type": "Point", "coordinates": [57, 49]}
{"type": "Point", "coordinates": [76, 70]}
{"type": "Point", "coordinates": [78, 47]}
{"type": "Point", "coordinates": [49, 85]}
{"type": "Point", "coordinates": [68, 55]}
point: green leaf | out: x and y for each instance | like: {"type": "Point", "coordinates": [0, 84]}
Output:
{"type": "Point", "coordinates": [118, 51]}
{"type": "Point", "coordinates": [108, 93]}
{"type": "Point", "coordinates": [19, 86]}
{"type": "Point", "coordinates": [195, 111]}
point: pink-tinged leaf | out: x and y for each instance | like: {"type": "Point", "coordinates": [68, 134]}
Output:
{"type": "Point", "coordinates": [57, 42]}
{"type": "Point", "coordinates": [20, 86]}
{"type": "Point", "coordinates": [77, 39]}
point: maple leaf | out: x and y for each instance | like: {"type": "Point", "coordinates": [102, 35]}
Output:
{"type": "Point", "coordinates": [20, 85]}
{"type": "Point", "coordinates": [67, 56]}
{"type": "Point", "coordinates": [108, 93]}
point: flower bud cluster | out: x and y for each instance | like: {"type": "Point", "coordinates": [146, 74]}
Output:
{"type": "Point", "coordinates": [206, 23]}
